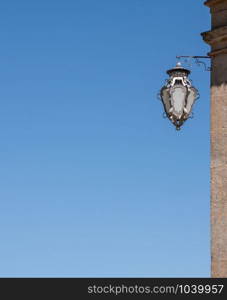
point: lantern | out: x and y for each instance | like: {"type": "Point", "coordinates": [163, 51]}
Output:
{"type": "Point", "coordinates": [178, 96]}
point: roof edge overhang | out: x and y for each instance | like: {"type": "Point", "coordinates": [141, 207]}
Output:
{"type": "Point", "coordinates": [211, 3]}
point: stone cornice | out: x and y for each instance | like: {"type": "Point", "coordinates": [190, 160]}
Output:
{"type": "Point", "coordinates": [215, 36]}
{"type": "Point", "coordinates": [211, 3]}
{"type": "Point", "coordinates": [217, 52]}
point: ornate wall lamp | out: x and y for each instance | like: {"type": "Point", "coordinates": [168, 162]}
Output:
{"type": "Point", "coordinates": [178, 95]}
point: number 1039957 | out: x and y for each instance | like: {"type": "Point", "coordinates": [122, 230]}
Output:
{"type": "Point", "coordinates": [200, 289]}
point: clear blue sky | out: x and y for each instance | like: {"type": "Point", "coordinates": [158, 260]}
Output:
{"type": "Point", "coordinates": [93, 181]}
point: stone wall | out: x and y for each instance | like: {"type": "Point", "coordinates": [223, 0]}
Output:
{"type": "Point", "coordinates": [217, 39]}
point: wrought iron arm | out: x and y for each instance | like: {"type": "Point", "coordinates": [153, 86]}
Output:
{"type": "Point", "coordinates": [197, 58]}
